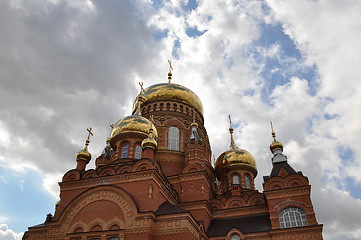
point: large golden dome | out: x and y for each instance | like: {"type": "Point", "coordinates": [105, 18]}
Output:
{"type": "Point", "coordinates": [171, 91]}
{"type": "Point", "coordinates": [135, 124]}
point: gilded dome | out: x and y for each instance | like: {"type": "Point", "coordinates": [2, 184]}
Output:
{"type": "Point", "coordinates": [134, 123]}
{"type": "Point", "coordinates": [150, 142]}
{"type": "Point", "coordinates": [235, 156]}
{"type": "Point", "coordinates": [171, 91]}
{"type": "Point", "coordinates": [84, 154]}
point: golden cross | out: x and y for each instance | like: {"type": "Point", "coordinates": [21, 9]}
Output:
{"type": "Point", "coordinates": [273, 133]}
{"type": "Point", "coordinates": [230, 121]}
{"type": "Point", "coordinates": [141, 87]}
{"type": "Point", "coordinates": [90, 132]}
{"type": "Point", "coordinates": [151, 118]}
{"type": "Point", "coordinates": [170, 66]}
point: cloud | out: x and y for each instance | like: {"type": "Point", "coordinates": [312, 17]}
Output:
{"type": "Point", "coordinates": [8, 234]}
{"type": "Point", "coordinates": [68, 65]}
{"type": "Point", "coordinates": [325, 32]}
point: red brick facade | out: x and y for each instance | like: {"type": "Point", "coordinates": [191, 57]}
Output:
{"type": "Point", "coordinates": [174, 194]}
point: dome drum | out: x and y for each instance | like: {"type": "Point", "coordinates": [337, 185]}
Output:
{"type": "Point", "coordinates": [170, 92]}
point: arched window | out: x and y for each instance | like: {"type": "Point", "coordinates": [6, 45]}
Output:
{"type": "Point", "coordinates": [125, 151]}
{"type": "Point", "coordinates": [235, 237]}
{"type": "Point", "coordinates": [235, 179]}
{"type": "Point", "coordinates": [292, 217]}
{"type": "Point", "coordinates": [138, 152]}
{"type": "Point", "coordinates": [247, 182]}
{"type": "Point", "coordinates": [173, 138]}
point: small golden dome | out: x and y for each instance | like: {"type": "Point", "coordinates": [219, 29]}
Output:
{"type": "Point", "coordinates": [134, 123]}
{"type": "Point", "coordinates": [275, 145]}
{"type": "Point", "coordinates": [84, 154]}
{"type": "Point", "coordinates": [170, 91]}
{"type": "Point", "coordinates": [150, 142]}
{"type": "Point", "coordinates": [234, 156]}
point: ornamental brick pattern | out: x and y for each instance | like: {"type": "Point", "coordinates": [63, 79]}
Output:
{"type": "Point", "coordinates": [169, 194]}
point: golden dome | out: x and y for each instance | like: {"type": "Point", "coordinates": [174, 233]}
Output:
{"type": "Point", "coordinates": [150, 142]}
{"type": "Point", "coordinates": [171, 91]}
{"type": "Point", "coordinates": [234, 156]}
{"type": "Point", "coordinates": [275, 145]}
{"type": "Point", "coordinates": [134, 123]}
{"type": "Point", "coordinates": [84, 154]}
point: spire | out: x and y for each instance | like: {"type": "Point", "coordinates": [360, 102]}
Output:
{"type": "Point", "coordinates": [170, 71]}
{"type": "Point", "coordinates": [108, 151]}
{"type": "Point", "coordinates": [140, 99]}
{"type": "Point", "coordinates": [150, 142]}
{"type": "Point", "coordinates": [277, 148]}
{"type": "Point", "coordinates": [83, 155]}
{"type": "Point", "coordinates": [194, 133]}
{"type": "Point", "coordinates": [233, 144]}
{"type": "Point", "coordinates": [275, 145]}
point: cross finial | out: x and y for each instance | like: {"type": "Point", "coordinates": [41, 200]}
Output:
{"type": "Point", "coordinates": [233, 144]}
{"type": "Point", "coordinates": [151, 118]}
{"type": "Point", "coordinates": [273, 133]}
{"type": "Point", "coordinates": [230, 121]}
{"type": "Point", "coordinates": [170, 71]}
{"type": "Point", "coordinates": [170, 66]}
{"type": "Point", "coordinates": [90, 132]}
{"type": "Point", "coordinates": [141, 87]}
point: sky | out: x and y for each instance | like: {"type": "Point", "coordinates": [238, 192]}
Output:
{"type": "Point", "coordinates": [69, 65]}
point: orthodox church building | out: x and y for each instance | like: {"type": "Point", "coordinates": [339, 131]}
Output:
{"type": "Point", "coordinates": [155, 180]}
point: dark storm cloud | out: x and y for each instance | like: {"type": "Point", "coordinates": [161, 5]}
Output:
{"type": "Point", "coordinates": [65, 66]}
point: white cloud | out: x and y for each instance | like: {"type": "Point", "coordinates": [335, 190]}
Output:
{"type": "Point", "coordinates": [8, 234]}
{"type": "Point", "coordinates": [69, 65]}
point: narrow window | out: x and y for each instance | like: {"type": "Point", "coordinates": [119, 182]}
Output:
{"type": "Point", "coordinates": [125, 151]}
{"type": "Point", "coordinates": [235, 179]}
{"type": "Point", "coordinates": [246, 181]}
{"type": "Point", "coordinates": [292, 217]}
{"type": "Point", "coordinates": [138, 152]}
{"type": "Point", "coordinates": [235, 237]}
{"type": "Point", "coordinates": [173, 138]}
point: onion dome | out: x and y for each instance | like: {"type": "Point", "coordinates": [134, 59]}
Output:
{"type": "Point", "coordinates": [235, 157]}
{"type": "Point", "coordinates": [275, 145]}
{"type": "Point", "coordinates": [134, 124]}
{"type": "Point", "coordinates": [150, 142]}
{"type": "Point", "coordinates": [171, 91]}
{"type": "Point", "coordinates": [84, 154]}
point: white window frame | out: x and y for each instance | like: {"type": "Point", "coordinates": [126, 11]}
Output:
{"type": "Point", "coordinates": [247, 182]}
{"type": "Point", "coordinates": [125, 151]}
{"type": "Point", "coordinates": [292, 217]}
{"type": "Point", "coordinates": [173, 138]}
{"type": "Point", "coordinates": [235, 179]}
{"type": "Point", "coordinates": [138, 152]}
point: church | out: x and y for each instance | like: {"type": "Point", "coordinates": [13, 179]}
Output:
{"type": "Point", "coordinates": [155, 180]}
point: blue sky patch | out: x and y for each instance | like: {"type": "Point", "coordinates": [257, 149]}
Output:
{"type": "Point", "coordinates": [160, 34]}
{"type": "Point", "coordinates": [23, 200]}
{"type": "Point", "coordinates": [194, 32]}
{"type": "Point", "coordinates": [176, 46]}
{"type": "Point", "coordinates": [191, 5]}
{"type": "Point", "coordinates": [281, 60]}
